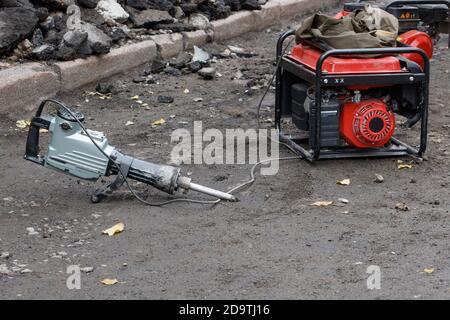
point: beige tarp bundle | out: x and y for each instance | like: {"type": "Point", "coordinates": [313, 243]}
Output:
{"type": "Point", "coordinates": [368, 28]}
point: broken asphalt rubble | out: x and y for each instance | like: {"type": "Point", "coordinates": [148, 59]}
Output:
{"type": "Point", "coordinates": [68, 29]}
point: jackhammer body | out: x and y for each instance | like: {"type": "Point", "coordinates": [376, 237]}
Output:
{"type": "Point", "coordinates": [86, 154]}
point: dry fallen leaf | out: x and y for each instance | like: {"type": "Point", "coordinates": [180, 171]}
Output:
{"type": "Point", "coordinates": [118, 228]}
{"type": "Point", "coordinates": [344, 182]}
{"type": "Point", "coordinates": [159, 122]}
{"type": "Point", "coordinates": [109, 282]}
{"type": "Point", "coordinates": [428, 270]}
{"type": "Point", "coordinates": [322, 203]}
{"type": "Point", "coordinates": [22, 124]}
{"type": "Point", "coordinates": [405, 166]}
{"type": "Point", "coordinates": [134, 98]}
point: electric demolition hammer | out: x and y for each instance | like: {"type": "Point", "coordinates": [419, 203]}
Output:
{"type": "Point", "coordinates": [87, 155]}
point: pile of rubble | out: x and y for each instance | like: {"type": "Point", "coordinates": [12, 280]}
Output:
{"type": "Point", "coordinates": [69, 29]}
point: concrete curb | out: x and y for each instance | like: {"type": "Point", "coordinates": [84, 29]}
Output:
{"type": "Point", "coordinates": [233, 26]}
{"type": "Point", "coordinates": [76, 73]}
{"type": "Point", "coordinates": [22, 87]}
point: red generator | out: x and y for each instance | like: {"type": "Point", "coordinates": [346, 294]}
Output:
{"type": "Point", "coordinates": [344, 102]}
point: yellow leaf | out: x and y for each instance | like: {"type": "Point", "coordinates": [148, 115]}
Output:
{"type": "Point", "coordinates": [22, 124]}
{"type": "Point", "coordinates": [405, 166]}
{"type": "Point", "coordinates": [159, 122]}
{"type": "Point", "coordinates": [109, 282]}
{"type": "Point", "coordinates": [344, 182]}
{"type": "Point", "coordinates": [134, 98]}
{"type": "Point", "coordinates": [322, 203]}
{"type": "Point", "coordinates": [118, 228]}
{"type": "Point", "coordinates": [428, 270]}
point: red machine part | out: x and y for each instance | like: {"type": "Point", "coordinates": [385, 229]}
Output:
{"type": "Point", "coordinates": [367, 124]}
{"type": "Point", "coordinates": [341, 14]}
{"type": "Point", "coordinates": [419, 40]}
{"type": "Point", "coordinates": [309, 56]}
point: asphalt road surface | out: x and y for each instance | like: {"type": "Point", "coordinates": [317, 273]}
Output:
{"type": "Point", "coordinates": [272, 244]}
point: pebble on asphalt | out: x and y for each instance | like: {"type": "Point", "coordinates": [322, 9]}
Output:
{"type": "Point", "coordinates": [104, 88]}
{"type": "Point", "coordinates": [208, 73]}
{"type": "Point", "coordinates": [165, 99]}
{"type": "Point", "coordinates": [200, 55]}
{"type": "Point", "coordinates": [378, 178]}
{"type": "Point", "coordinates": [87, 269]}
{"type": "Point", "coordinates": [31, 231]}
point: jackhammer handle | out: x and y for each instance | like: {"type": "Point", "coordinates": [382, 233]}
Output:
{"type": "Point", "coordinates": [32, 147]}
{"type": "Point", "coordinates": [38, 122]}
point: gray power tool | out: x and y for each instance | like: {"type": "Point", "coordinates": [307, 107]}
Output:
{"type": "Point", "coordinates": [86, 154]}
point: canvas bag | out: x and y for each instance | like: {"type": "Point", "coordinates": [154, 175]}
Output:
{"type": "Point", "coordinates": [368, 28]}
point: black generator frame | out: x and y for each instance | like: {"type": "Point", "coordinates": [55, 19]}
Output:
{"type": "Point", "coordinates": [321, 79]}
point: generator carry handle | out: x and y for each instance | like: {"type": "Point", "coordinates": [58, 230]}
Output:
{"type": "Point", "coordinates": [417, 2]}
{"type": "Point", "coordinates": [322, 80]}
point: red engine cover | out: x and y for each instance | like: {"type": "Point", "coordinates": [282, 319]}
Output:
{"type": "Point", "coordinates": [419, 40]}
{"type": "Point", "coordinates": [308, 56]}
{"type": "Point", "coordinates": [367, 124]}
